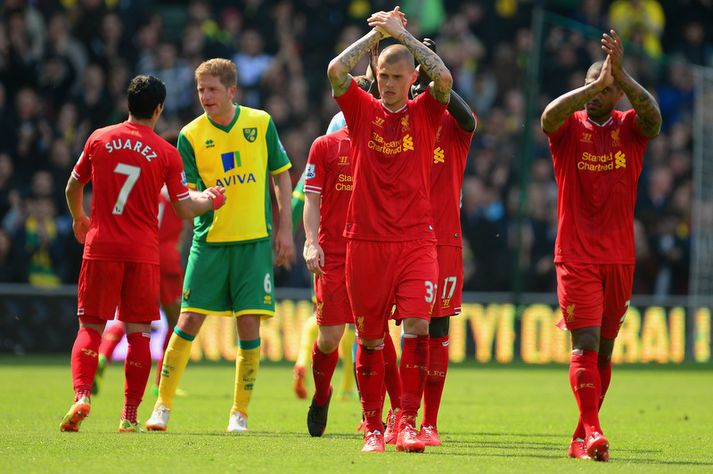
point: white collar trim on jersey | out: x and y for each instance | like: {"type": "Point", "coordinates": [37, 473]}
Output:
{"type": "Point", "coordinates": [394, 111]}
{"type": "Point", "coordinates": [602, 125]}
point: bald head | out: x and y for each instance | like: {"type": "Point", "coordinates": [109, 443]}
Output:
{"type": "Point", "coordinates": [594, 71]}
{"type": "Point", "coordinates": [395, 53]}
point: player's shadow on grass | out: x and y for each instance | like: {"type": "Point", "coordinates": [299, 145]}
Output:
{"type": "Point", "coordinates": [527, 442]}
{"type": "Point", "coordinates": [517, 454]}
{"type": "Point", "coordinates": [668, 463]}
{"type": "Point", "coordinates": [264, 434]}
{"type": "Point", "coordinates": [524, 435]}
{"type": "Point", "coordinates": [531, 445]}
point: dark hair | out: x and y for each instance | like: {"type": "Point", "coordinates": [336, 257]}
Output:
{"type": "Point", "coordinates": [144, 94]}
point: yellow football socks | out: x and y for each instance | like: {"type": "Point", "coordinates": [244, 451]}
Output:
{"type": "Point", "coordinates": [309, 335]}
{"type": "Point", "coordinates": [247, 363]}
{"type": "Point", "coordinates": [175, 360]}
{"type": "Point", "coordinates": [345, 351]}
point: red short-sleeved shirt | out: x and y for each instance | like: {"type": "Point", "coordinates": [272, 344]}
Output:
{"type": "Point", "coordinates": [449, 157]}
{"type": "Point", "coordinates": [597, 170]}
{"type": "Point", "coordinates": [329, 173]}
{"type": "Point", "coordinates": [128, 164]}
{"type": "Point", "coordinates": [392, 154]}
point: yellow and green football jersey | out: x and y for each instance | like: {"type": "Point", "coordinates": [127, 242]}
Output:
{"type": "Point", "coordinates": [239, 157]}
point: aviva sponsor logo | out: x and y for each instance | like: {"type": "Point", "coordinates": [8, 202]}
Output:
{"type": "Point", "coordinates": [231, 160]}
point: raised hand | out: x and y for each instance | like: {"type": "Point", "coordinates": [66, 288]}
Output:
{"type": "Point", "coordinates": [605, 75]}
{"type": "Point", "coordinates": [390, 23]}
{"type": "Point", "coordinates": [611, 44]}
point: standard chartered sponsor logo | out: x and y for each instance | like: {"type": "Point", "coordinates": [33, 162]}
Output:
{"type": "Point", "coordinates": [393, 147]}
{"type": "Point", "coordinates": [605, 162]}
{"type": "Point", "coordinates": [344, 182]}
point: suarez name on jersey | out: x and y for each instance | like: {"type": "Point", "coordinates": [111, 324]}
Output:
{"type": "Point", "coordinates": [597, 168]}
{"type": "Point", "coordinates": [128, 164]}
{"type": "Point", "coordinates": [329, 173]}
{"type": "Point", "coordinates": [392, 153]}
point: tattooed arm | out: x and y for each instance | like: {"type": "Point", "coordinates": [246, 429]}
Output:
{"type": "Point", "coordinates": [391, 24]}
{"type": "Point", "coordinates": [648, 115]}
{"type": "Point", "coordinates": [339, 67]}
{"type": "Point", "coordinates": [565, 105]}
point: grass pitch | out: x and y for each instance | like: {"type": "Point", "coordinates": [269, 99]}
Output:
{"type": "Point", "coordinates": [493, 419]}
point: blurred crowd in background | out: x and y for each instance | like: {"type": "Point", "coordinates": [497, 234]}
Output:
{"type": "Point", "coordinates": [65, 65]}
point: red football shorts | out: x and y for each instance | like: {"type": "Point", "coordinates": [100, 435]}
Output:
{"type": "Point", "coordinates": [450, 281]}
{"type": "Point", "coordinates": [330, 290]}
{"type": "Point", "coordinates": [106, 285]}
{"type": "Point", "coordinates": [380, 274]}
{"type": "Point", "coordinates": [171, 286]}
{"type": "Point", "coordinates": [592, 295]}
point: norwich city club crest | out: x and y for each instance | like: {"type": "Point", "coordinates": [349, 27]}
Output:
{"type": "Point", "coordinates": [250, 134]}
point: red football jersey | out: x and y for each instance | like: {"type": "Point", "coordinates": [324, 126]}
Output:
{"type": "Point", "coordinates": [128, 164]}
{"type": "Point", "coordinates": [597, 170]}
{"type": "Point", "coordinates": [329, 173]}
{"type": "Point", "coordinates": [392, 166]}
{"type": "Point", "coordinates": [170, 227]}
{"type": "Point", "coordinates": [449, 157]}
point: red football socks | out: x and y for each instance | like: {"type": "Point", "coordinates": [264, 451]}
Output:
{"type": "Point", "coordinates": [414, 361]}
{"type": "Point", "coordinates": [323, 366]}
{"type": "Point", "coordinates": [435, 380]}
{"type": "Point", "coordinates": [585, 383]}
{"type": "Point", "coordinates": [85, 357]}
{"type": "Point", "coordinates": [392, 381]}
{"type": "Point", "coordinates": [370, 375]}
{"type": "Point", "coordinates": [137, 369]}
{"type": "Point", "coordinates": [110, 339]}
{"type": "Point", "coordinates": [605, 379]}
{"type": "Point", "coordinates": [130, 412]}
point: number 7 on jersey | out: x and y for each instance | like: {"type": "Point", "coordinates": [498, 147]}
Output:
{"type": "Point", "coordinates": [132, 175]}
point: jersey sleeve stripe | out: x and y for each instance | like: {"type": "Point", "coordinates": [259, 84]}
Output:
{"type": "Point", "coordinates": [281, 169]}
{"type": "Point", "coordinates": [312, 189]}
{"type": "Point", "coordinates": [183, 196]}
{"type": "Point", "coordinates": [75, 175]}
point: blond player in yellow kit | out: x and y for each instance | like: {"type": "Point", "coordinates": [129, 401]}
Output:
{"type": "Point", "coordinates": [229, 270]}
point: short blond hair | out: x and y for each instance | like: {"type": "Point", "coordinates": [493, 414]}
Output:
{"type": "Point", "coordinates": [395, 53]}
{"type": "Point", "coordinates": [224, 69]}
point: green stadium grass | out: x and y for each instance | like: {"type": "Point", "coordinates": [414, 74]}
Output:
{"type": "Point", "coordinates": [493, 419]}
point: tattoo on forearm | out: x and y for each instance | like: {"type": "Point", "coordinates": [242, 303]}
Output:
{"type": "Point", "coordinates": [429, 61]}
{"type": "Point", "coordinates": [565, 105]}
{"type": "Point", "coordinates": [647, 110]}
{"type": "Point", "coordinates": [351, 56]}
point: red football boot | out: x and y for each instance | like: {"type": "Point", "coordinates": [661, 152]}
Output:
{"type": "Point", "coordinates": [373, 442]}
{"type": "Point", "coordinates": [578, 449]}
{"type": "Point", "coordinates": [598, 447]}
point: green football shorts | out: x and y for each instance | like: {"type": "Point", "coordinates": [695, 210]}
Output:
{"type": "Point", "coordinates": [229, 280]}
